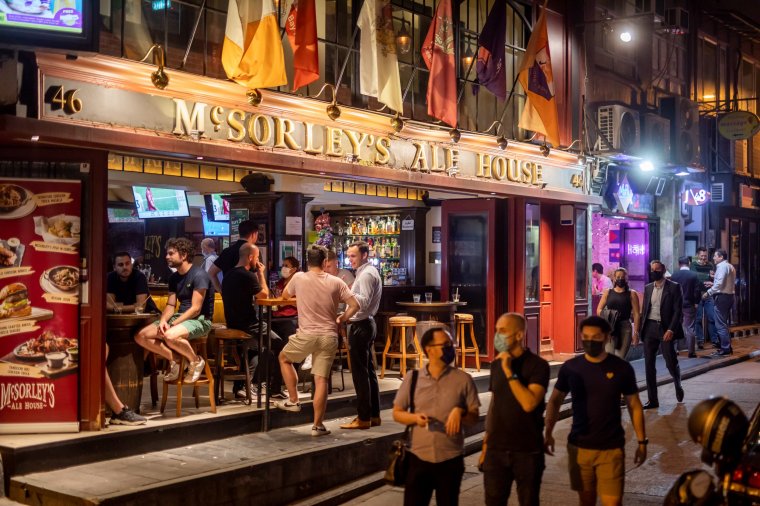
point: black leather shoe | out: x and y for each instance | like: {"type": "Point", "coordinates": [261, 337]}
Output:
{"type": "Point", "coordinates": [721, 353]}
{"type": "Point", "coordinates": [679, 394]}
{"type": "Point", "coordinates": [701, 346]}
{"type": "Point", "coordinates": [651, 405]}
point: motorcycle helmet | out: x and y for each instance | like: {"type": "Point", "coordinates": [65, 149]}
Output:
{"type": "Point", "coordinates": [719, 426]}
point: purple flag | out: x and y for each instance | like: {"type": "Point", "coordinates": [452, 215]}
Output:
{"type": "Point", "coordinates": [491, 55]}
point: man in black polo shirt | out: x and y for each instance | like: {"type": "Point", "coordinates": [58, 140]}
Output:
{"type": "Point", "coordinates": [596, 380]}
{"type": "Point", "coordinates": [513, 449]}
{"type": "Point", "coordinates": [242, 285]}
{"type": "Point", "coordinates": [228, 259]}
{"type": "Point", "coordinates": [127, 286]}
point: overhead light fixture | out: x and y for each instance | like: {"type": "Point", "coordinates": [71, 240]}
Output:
{"type": "Point", "coordinates": [321, 173]}
{"type": "Point", "coordinates": [626, 36]}
{"type": "Point", "coordinates": [501, 141]}
{"type": "Point", "coordinates": [545, 149]}
{"type": "Point", "coordinates": [455, 134]}
{"type": "Point", "coordinates": [159, 77]}
{"type": "Point", "coordinates": [254, 97]}
{"type": "Point", "coordinates": [35, 138]}
{"type": "Point", "coordinates": [333, 111]}
{"type": "Point", "coordinates": [397, 123]}
{"type": "Point", "coordinates": [682, 173]}
{"type": "Point", "coordinates": [493, 193]}
{"type": "Point", "coordinates": [403, 39]}
{"type": "Point", "coordinates": [646, 166]}
{"type": "Point", "coordinates": [199, 158]}
{"type": "Point", "coordinates": [467, 58]}
{"type": "Point", "coordinates": [582, 159]}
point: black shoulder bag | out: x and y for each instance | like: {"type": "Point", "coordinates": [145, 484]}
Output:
{"type": "Point", "coordinates": [399, 464]}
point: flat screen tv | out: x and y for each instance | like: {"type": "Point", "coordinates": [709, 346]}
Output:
{"type": "Point", "coordinates": [214, 228]}
{"type": "Point", "coordinates": [152, 202]}
{"type": "Point", "coordinates": [123, 215]}
{"type": "Point", "coordinates": [59, 24]}
{"type": "Point", "coordinates": [217, 208]}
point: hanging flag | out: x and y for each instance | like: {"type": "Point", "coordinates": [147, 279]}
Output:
{"type": "Point", "coordinates": [540, 111]}
{"type": "Point", "coordinates": [438, 54]}
{"type": "Point", "coordinates": [301, 27]}
{"type": "Point", "coordinates": [252, 52]}
{"type": "Point", "coordinates": [491, 54]}
{"type": "Point", "coordinates": [378, 63]}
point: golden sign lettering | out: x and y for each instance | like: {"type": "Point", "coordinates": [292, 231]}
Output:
{"type": "Point", "coordinates": [48, 247]}
{"type": "Point", "coordinates": [10, 272]}
{"type": "Point", "coordinates": [17, 327]}
{"type": "Point", "coordinates": [19, 370]}
{"type": "Point", "coordinates": [49, 199]}
{"type": "Point", "coordinates": [56, 298]}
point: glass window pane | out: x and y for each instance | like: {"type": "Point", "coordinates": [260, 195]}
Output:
{"type": "Point", "coordinates": [532, 229]}
{"type": "Point", "coordinates": [581, 248]}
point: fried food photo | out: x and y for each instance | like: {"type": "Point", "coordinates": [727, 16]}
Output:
{"type": "Point", "coordinates": [64, 278]}
{"type": "Point", "coordinates": [7, 257]}
{"type": "Point", "coordinates": [61, 228]}
{"type": "Point", "coordinates": [12, 197]}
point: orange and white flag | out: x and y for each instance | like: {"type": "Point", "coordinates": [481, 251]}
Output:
{"type": "Point", "coordinates": [540, 111]}
{"type": "Point", "coordinates": [252, 54]}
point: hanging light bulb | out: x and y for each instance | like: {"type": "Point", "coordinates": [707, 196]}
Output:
{"type": "Point", "coordinates": [403, 39]}
{"type": "Point", "coordinates": [467, 58]}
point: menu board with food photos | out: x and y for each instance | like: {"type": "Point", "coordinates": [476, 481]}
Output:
{"type": "Point", "coordinates": [40, 229]}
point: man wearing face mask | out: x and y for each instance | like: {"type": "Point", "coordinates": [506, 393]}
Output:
{"type": "Point", "coordinates": [661, 319]}
{"type": "Point", "coordinates": [595, 445]}
{"type": "Point", "coordinates": [514, 442]}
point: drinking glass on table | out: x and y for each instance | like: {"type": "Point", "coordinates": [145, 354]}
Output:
{"type": "Point", "coordinates": [428, 297]}
{"type": "Point", "coordinates": [455, 297]}
{"type": "Point", "coordinates": [416, 298]}
{"type": "Point", "coordinates": [118, 307]}
{"type": "Point", "coordinates": [139, 308]}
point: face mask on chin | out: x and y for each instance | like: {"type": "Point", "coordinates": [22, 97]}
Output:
{"type": "Point", "coordinates": [448, 354]}
{"type": "Point", "coordinates": [593, 348]}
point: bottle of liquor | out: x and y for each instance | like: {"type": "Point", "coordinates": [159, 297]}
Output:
{"type": "Point", "coordinates": [380, 225]}
{"type": "Point", "coordinates": [389, 225]}
{"type": "Point", "coordinates": [396, 225]}
{"type": "Point", "coordinates": [396, 250]}
{"type": "Point", "coordinates": [354, 226]}
{"type": "Point", "coordinates": [372, 228]}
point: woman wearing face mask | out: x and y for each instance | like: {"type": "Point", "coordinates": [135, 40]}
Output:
{"type": "Point", "coordinates": [445, 399]}
{"type": "Point", "coordinates": [288, 314]}
{"type": "Point", "coordinates": [625, 301]}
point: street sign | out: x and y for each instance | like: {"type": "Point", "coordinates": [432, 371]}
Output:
{"type": "Point", "coordinates": [738, 125]}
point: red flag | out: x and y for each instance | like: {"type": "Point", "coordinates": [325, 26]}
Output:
{"type": "Point", "coordinates": [301, 27]}
{"type": "Point", "coordinates": [438, 53]}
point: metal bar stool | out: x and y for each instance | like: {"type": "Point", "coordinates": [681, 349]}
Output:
{"type": "Point", "coordinates": [199, 346]}
{"type": "Point", "coordinates": [228, 339]}
{"type": "Point", "coordinates": [462, 321]}
{"type": "Point", "coordinates": [401, 323]}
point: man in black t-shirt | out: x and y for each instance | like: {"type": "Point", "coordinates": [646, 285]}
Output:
{"type": "Point", "coordinates": [596, 380]}
{"type": "Point", "coordinates": [127, 286]}
{"type": "Point", "coordinates": [514, 443]}
{"type": "Point", "coordinates": [241, 287]}
{"type": "Point", "coordinates": [170, 335]}
{"type": "Point", "coordinates": [228, 259]}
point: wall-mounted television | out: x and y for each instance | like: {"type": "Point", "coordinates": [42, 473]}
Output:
{"type": "Point", "coordinates": [123, 215]}
{"type": "Point", "coordinates": [214, 228]}
{"type": "Point", "coordinates": [59, 24]}
{"type": "Point", "coordinates": [152, 202]}
{"type": "Point", "coordinates": [217, 208]}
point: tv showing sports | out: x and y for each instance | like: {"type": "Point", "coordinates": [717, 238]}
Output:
{"type": "Point", "coordinates": [64, 24]}
{"type": "Point", "coordinates": [122, 215]}
{"type": "Point", "coordinates": [217, 208]}
{"type": "Point", "coordinates": [214, 228]}
{"type": "Point", "coordinates": [154, 202]}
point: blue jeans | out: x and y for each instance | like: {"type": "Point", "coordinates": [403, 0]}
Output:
{"type": "Point", "coordinates": [501, 468]}
{"type": "Point", "coordinates": [723, 303]}
{"type": "Point", "coordinates": [706, 307]}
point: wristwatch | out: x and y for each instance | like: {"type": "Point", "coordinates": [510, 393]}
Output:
{"type": "Point", "coordinates": [644, 442]}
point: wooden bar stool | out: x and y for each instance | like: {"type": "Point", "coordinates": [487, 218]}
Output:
{"type": "Point", "coordinates": [199, 346]}
{"type": "Point", "coordinates": [401, 323]}
{"type": "Point", "coordinates": [227, 341]}
{"type": "Point", "coordinates": [462, 321]}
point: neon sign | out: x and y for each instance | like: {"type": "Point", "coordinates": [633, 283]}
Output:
{"type": "Point", "coordinates": [636, 249]}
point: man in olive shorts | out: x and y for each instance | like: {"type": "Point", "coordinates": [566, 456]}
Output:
{"type": "Point", "coordinates": [595, 447]}
{"type": "Point", "coordinates": [318, 295]}
{"type": "Point", "coordinates": [170, 336]}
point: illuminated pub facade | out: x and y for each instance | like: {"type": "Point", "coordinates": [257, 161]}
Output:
{"type": "Point", "coordinates": [514, 222]}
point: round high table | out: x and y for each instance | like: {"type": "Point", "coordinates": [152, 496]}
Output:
{"type": "Point", "coordinates": [434, 311]}
{"type": "Point", "coordinates": [125, 356]}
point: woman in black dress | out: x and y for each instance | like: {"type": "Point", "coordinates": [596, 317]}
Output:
{"type": "Point", "coordinates": [626, 302]}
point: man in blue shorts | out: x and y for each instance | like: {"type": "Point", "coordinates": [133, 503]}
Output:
{"type": "Point", "coordinates": [170, 336]}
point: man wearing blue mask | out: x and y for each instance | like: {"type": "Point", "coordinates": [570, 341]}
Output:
{"type": "Point", "coordinates": [513, 448]}
{"type": "Point", "coordinates": [595, 445]}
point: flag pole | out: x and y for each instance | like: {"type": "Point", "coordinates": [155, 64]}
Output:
{"type": "Point", "coordinates": [345, 62]}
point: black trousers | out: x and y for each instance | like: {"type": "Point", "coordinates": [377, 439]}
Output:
{"type": "Point", "coordinates": [652, 344]}
{"type": "Point", "coordinates": [501, 468]}
{"type": "Point", "coordinates": [445, 478]}
{"type": "Point", "coordinates": [361, 340]}
{"type": "Point", "coordinates": [251, 351]}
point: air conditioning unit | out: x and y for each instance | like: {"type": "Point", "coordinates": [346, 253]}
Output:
{"type": "Point", "coordinates": [677, 20]}
{"type": "Point", "coordinates": [618, 129]}
{"type": "Point", "coordinates": [718, 192]}
{"type": "Point", "coordinates": [655, 137]}
{"type": "Point", "coordinates": [684, 129]}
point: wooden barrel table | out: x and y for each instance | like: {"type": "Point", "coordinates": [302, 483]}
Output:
{"type": "Point", "coordinates": [125, 356]}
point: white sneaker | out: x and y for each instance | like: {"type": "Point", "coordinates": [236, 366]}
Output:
{"type": "Point", "coordinates": [194, 371]}
{"type": "Point", "coordinates": [294, 407]}
{"type": "Point", "coordinates": [321, 430]}
{"type": "Point", "coordinates": [306, 364]}
{"type": "Point", "coordinates": [173, 373]}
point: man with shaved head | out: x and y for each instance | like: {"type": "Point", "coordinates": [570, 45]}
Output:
{"type": "Point", "coordinates": [514, 442]}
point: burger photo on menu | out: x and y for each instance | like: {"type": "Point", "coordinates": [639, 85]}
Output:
{"type": "Point", "coordinates": [14, 301]}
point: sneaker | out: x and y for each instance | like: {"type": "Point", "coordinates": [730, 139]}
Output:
{"type": "Point", "coordinates": [279, 395]}
{"type": "Point", "coordinates": [127, 417]}
{"type": "Point", "coordinates": [173, 373]}
{"type": "Point", "coordinates": [286, 405]}
{"type": "Point", "coordinates": [319, 431]}
{"type": "Point", "coordinates": [194, 371]}
{"type": "Point", "coordinates": [306, 364]}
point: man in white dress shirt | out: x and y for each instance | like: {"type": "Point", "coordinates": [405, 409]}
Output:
{"type": "Point", "coordinates": [722, 292]}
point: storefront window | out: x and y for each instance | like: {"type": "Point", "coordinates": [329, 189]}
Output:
{"type": "Point", "coordinates": [581, 247]}
{"type": "Point", "coordinates": [532, 228]}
